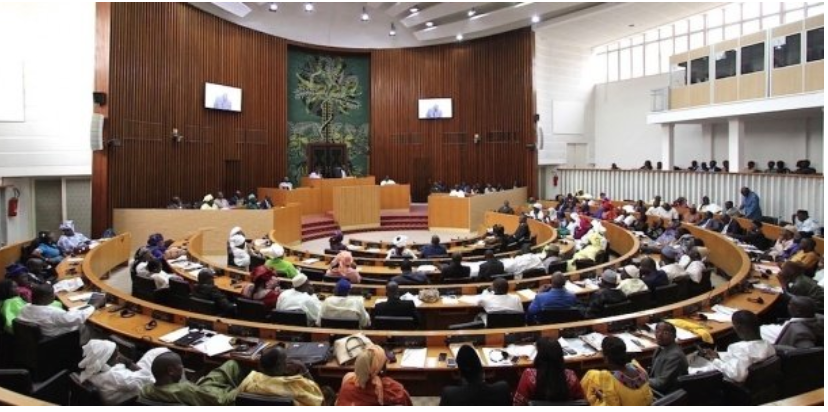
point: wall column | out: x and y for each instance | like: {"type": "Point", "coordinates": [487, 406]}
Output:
{"type": "Point", "coordinates": [735, 143]}
{"type": "Point", "coordinates": [707, 142]}
{"type": "Point", "coordinates": [668, 131]}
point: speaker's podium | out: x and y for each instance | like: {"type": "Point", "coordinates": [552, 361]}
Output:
{"type": "Point", "coordinates": [356, 207]}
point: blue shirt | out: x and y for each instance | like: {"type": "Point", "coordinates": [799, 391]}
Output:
{"type": "Point", "coordinates": [428, 251]}
{"type": "Point", "coordinates": [750, 206]}
{"type": "Point", "coordinates": [551, 299]}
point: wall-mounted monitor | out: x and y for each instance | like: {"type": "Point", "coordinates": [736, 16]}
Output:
{"type": "Point", "coordinates": [221, 97]}
{"type": "Point", "coordinates": [435, 108]}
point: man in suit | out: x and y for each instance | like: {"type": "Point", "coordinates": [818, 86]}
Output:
{"type": "Point", "coordinates": [522, 233]}
{"type": "Point", "coordinates": [474, 391]}
{"type": "Point", "coordinates": [492, 266]}
{"type": "Point", "coordinates": [455, 269]}
{"type": "Point", "coordinates": [394, 306]}
{"type": "Point", "coordinates": [408, 276]}
{"type": "Point", "coordinates": [669, 361]}
{"type": "Point", "coordinates": [804, 330]}
{"type": "Point", "coordinates": [710, 223]}
{"type": "Point", "coordinates": [730, 227]}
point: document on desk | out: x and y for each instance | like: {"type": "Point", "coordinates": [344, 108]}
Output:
{"type": "Point", "coordinates": [215, 345]}
{"type": "Point", "coordinates": [635, 343]}
{"type": "Point", "coordinates": [414, 358]}
{"type": "Point", "coordinates": [573, 288]}
{"type": "Point", "coordinates": [80, 297]}
{"type": "Point", "coordinates": [594, 339]}
{"type": "Point", "coordinates": [575, 347]}
{"type": "Point", "coordinates": [412, 298]}
{"type": "Point", "coordinates": [68, 285]}
{"type": "Point", "coordinates": [762, 267]}
{"type": "Point", "coordinates": [470, 299]}
{"type": "Point", "coordinates": [522, 351]}
{"type": "Point", "coordinates": [528, 294]}
{"type": "Point", "coordinates": [310, 261]}
{"type": "Point", "coordinates": [449, 300]}
{"type": "Point", "coordinates": [74, 259]}
{"type": "Point", "coordinates": [175, 335]}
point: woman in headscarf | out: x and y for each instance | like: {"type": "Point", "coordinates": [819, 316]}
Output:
{"type": "Point", "coordinates": [156, 245]}
{"type": "Point", "coordinates": [275, 260]}
{"type": "Point", "coordinates": [207, 203]}
{"type": "Point", "coordinates": [590, 251]}
{"type": "Point", "coordinates": [549, 380]}
{"type": "Point", "coordinates": [335, 242]}
{"type": "Point", "coordinates": [117, 378]}
{"type": "Point", "coordinates": [70, 239]}
{"type": "Point", "coordinates": [264, 287]}
{"type": "Point", "coordinates": [344, 267]}
{"type": "Point", "coordinates": [238, 248]}
{"type": "Point", "coordinates": [622, 384]}
{"type": "Point", "coordinates": [365, 387]}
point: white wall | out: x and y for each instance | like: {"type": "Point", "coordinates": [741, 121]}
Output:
{"type": "Point", "coordinates": [55, 41]}
{"type": "Point", "coordinates": [623, 137]}
{"type": "Point", "coordinates": [20, 227]}
{"type": "Point", "coordinates": [562, 76]}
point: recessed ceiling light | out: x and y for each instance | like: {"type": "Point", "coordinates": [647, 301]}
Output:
{"type": "Point", "coordinates": [535, 19]}
{"type": "Point", "coordinates": [429, 24]}
{"type": "Point", "coordinates": [308, 7]}
{"type": "Point", "coordinates": [365, 16]}
{"type": "Point", "coordinates": [273, 7]}
{"type": "Point", "coordinates": [459, 36]}
{"type": "Point", "coordinates": [393, 31]}
{"type": "Point", "coordinates": [631, 25]}
{"type": "Point", "coordinates": [414, 9]}
{"type": "Point", "coordinates": [472, 12]}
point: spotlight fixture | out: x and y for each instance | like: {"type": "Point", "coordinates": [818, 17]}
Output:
{"type": "Point", "coordinates": [365, 16]}
{"type": "Point", "coordinates": [273, 7]}
{"type": "Point", "coordinates": [459, 36]}
{"type": "Point", "coordinates": [472, 12]}
{"type": "Point", "coordinates": [393, 31]}
{"type": "Point", "coordinates": [414, 9]}
{"type": "Point", "coordinates": [308, 7]}
{"type": "Point", "coordinates": [536, 19]}
{"type": "Point", "coordinates": [429, 24]}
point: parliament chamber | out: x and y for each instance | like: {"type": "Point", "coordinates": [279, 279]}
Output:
{"type": "Point", "coordinates": [393, 218]}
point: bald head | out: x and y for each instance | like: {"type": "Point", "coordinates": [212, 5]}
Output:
{"type": "Point", "coordinates": [558, 280]}
{"type": "Point", "coordinates": [167, 368]}
{"type": "Point", "coordinates": [273, 361]}
{"type": "Point", "coordinates": [392, 289]}
{"type": "Point", "coordinates": [500, 286]}
{"type": "Point", "coordinates": [801, 307]}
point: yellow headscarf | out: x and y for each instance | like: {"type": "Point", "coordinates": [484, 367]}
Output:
{"type": "Point", "coordinates": [367, 367]}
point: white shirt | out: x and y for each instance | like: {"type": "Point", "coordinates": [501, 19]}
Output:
{"type": "Point", "coordinates": [291, 299]}
{"type": "Point", "coordinates": [222, 203]}
{"type": "Point", "coordinates": [347, 307]}
{"type": "Point", "coordinates": [734, 363]}
{"type": "Point", "coordinates": [457, 193]}
{"type": "Point", "coordinates": [141, 269]}
{"type": "Point", "coordinates": [537, 216]}
{"type": "Point", "coordinates": [119, 384]}
{"type": "Point", "coordinates": [712, 208]}
{"type": "Point", "coordinates": [405, 253]}
{"type": "Point", "coordinates": [499, 303]}
{"type": "Point", "coordinates": [672, 214]}
{"type": "Point", "coordinates": [387, 182]}
{"type": "Point", "coordinates": [240, 256]}
{"type": "Point", "coordinates": [820, 277]}
{"type": "Point", "coordinates": [54, 321]}
{"type": "Point", "coordinates": [632, 285]}
{"type": "Point", "coordinates": [314, 175]}
{"type": "Point", "coordinates": [809, 225]}
{"type": "Point", "coordinates": [161, 279]}
{"type": "Point", "coordinates": [286, 186]}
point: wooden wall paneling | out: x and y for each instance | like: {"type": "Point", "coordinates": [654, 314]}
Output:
{"type": "Point", "coordinates": [479, 205]}
{"type": "Point", "coordinates": [447, 213]}
{"type": "Point", "coordinates": [161, 54]}
{"type": "Point", "coordinates": [101, 212]}
{"type": "Point", "coordinates": [395, 197]}
{"type": "Point", "coordinates": [356, 207]}
{"type": "Point", "coordinates": [287, 224]}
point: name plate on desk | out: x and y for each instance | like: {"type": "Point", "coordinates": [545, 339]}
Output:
{"type": "Point", "coordinates": [574, 333]}
{"type": "Point", "coordinates": [162, 316]}
{"type": "Point", "coordinates": [522, 337]}
{"type": "Point", "coordinates": [194, 323]}
{"type": "Point", "coordinates": [242, 331]}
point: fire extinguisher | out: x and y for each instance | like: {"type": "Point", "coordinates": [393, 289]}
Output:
{"type": "Point", "coordinates": [555, 180]}
{"type": "Point", "coordinates": [13, 202]}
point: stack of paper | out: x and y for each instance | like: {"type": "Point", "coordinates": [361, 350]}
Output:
{"type": "Point", "coordinates": [80, 297]}
{"type": "Point", "coordinates": [470, 299]}
{"type": "Point", "coordinates": [594, 339]}
{"type": "Point", "coordinates": [722, 314]}
{"type": "Point", "coordinates": [635, 343]}
{"type": "Point", "coordinates": [412, 298]}
{"type": "Point", "coordinates": [414, 358]}
{"type": "Point", "coordinates": [522, 351]}
{"type": "Point", "coordinates": [427, 268]}
{"type": "Point", "coordinates": [528, 294]}
{"type": "Point", "coordinates": [215, 345]}
{"type": "Point", "coordinates": [449, 300]}
{"type": "Point", "coordinates": [310, 261]}
{"type": "Point", "coordinates": [175, 335]}
{"type": "Point", "coordinates": [768, 288]}
{"type": "Point", "coordinates": [68, 285]}
{"type": "Point", "coordinates": [575, 347]}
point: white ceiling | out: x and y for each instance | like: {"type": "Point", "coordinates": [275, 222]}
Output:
{"type": "Point", "coordinates": [339, 24]}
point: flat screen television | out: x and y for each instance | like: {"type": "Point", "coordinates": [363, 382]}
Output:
{"type": "Point", "coordinates": [435, 108]}
{"type": "Point", "coordinates": [221, 97]}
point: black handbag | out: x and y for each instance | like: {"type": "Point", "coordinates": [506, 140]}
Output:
{"type": "Point", "coordinates": [308, 353]}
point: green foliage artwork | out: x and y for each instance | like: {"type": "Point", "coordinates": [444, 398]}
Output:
{"type": "Point", "coordinates": [328, 99]}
